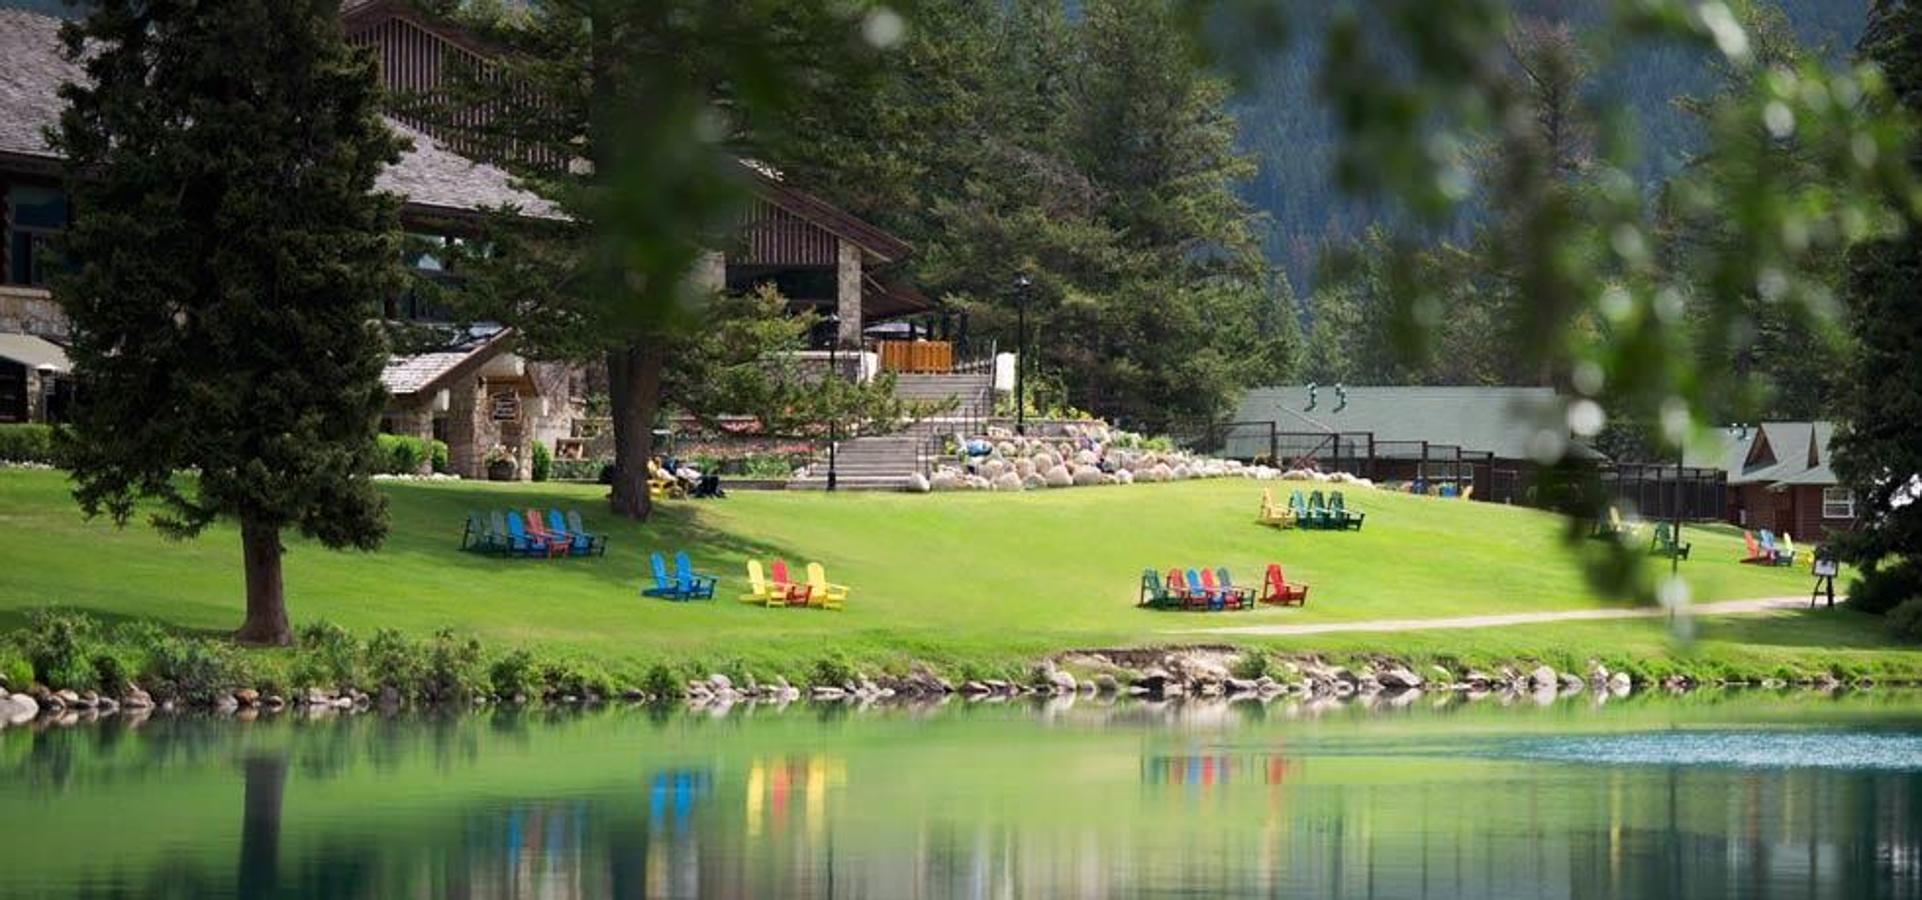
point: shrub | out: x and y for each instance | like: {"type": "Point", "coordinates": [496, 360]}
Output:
{"type": "Point", "coordinates": [115, 667]}
{"type": "Point", "coordinates": [570, 678]}
{"type": "Point", "coordinates": [543, 465]}
{"type": "Point", "coordinates": [1882, 589]}
{"type": "Point", "coordinates": [1906, 619]}
{"type": "Point", "coordinates": [191, 671]}
{"type": "Point", "coordinates": [15, 669]}
{"type": "Point", "coordinates": [60, 643]}
{"type": "Point", "coordinates": [437, 456]}
{"type": "Point", "coordinates": [454, 670]}
{"type": "Point", "coordinates": [1251, 666]}
{"type": "Point", "coordinates": [660, 682]}
{"type": "Point", "coordinates": [833, 670]}
{"type": "Point", "coordinates": [26, 443]}
{"type": "Point", "coordinates": [395, 660]}
{"type": "Point", "coordinates": [514, 675]}
{"type": "Point", "coordinates": [401, 455]}
{"type": "Point", "coordinates": [328, 656]}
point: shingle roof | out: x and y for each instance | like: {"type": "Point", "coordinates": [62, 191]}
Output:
{"type": "Point", "coordinates": [1500, 420]}
{"type": "Point", "coordinates": [409, 374]}
{"type": "Point", "coordinates": [34, 352]}
{"type": "Point", "coordinates": [1787, 460]}
{"type": "Point", "coordinates": [32, 69]}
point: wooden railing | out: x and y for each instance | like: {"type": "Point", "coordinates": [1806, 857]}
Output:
{"type": "Point", "coordinates": [916, 356]}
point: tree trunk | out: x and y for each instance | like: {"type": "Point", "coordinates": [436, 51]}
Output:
{"type": "Point", "coordinates": [634, 392]}
{"type": "Point", "coordinates": [266, 600]}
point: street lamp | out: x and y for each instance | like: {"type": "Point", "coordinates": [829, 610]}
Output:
{"type": "Point", "coordinates": [834, 372]}
{"type": "Point", "coordinates": [1022, 286]}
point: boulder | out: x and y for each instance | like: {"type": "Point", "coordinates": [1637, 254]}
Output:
{"type": "Point", "coordinates": [1043, 461]}
{"type": "Point", "coordinates": [1153, 680]}
{"type": "Point", "coordinates": [1123, 476]}
{"type": "Point", "coordinates": [827, 692]}
{"type": "Point", "coordinates": [1061, 682]}
{"type": "Point", "coordinates": [1058, 476]}
{"type": "Point", "coordinates": [977, 483]}
{"type": "Point", "coordinates": [67, 697]}
{"type": "Point", "coordinates": [1087, 476]}
{"type": "Point", "coordinates": [992, 469]}
{"type": "Point", "coordinates": [1399, 678]}
{"type": "Point", "coordinates": [1104, 683]}
{"type": "Point", "coordinates": [1181, 472]}
{"type": "Point", "coordinates": [918, 483]}
{"type": "Point", "coordinates": [1571, 681]}
{"type": "Point", "coordinates": [247, 697]}
{"type": "Point", "coordinates": [1024, 467]}
{"type": "Point", "coordinates": [1618, 683]}
{"type": "Point", "coordinates": [1241, 686]}
{"type": "Point", "coordinates": [137, 698]}
{"type": "Point", "coordinates": [946, 480]}
{"type": "Point", "coordinates": [1542, 677]}
{"type": "Point", "coordinates": [1007, 481]}
{"type": "Point", "coordinates": [1084, 457]}
{"type": "Point", "coordinates": [1033, 481]}
{"type": "Point", "coordinates": [18, 708]}
{"type": "Point", "coordinates": [1005, 450]}
{"type": "Point", "coordinates": [720, 684]}
{"type": "Point", "coordinates": [225, 704]}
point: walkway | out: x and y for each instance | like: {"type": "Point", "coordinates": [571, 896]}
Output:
{"type": "Point", "coordinates": [1725, 607]}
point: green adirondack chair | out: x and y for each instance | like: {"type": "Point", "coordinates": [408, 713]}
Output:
{"type": "Point", "coordinates": [1319, 513]}
{"type": "Point", "coordinates": [1665, 545]}
{"type": "Point", "coordinates": [482, 537]}
{"type": "Point", "coordinates": [1154, 592]}
{"type": "Point", "coordinates": [1345, 518]}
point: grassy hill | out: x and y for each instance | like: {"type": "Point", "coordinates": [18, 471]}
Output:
{"type": "Point", "coordinates": [955, 580]}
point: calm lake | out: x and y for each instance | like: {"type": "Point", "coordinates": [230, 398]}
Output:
{"type": "Point", "coordinates": [1713, 795]}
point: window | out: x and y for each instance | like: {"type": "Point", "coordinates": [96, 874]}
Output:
{"type": "Point", "coordinates": [1837, 503]}
{"type": "Point", "coordinates": [34, 215]}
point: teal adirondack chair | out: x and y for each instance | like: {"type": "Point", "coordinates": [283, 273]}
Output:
{"type": "Point", "coordinates": [1154, 592]}
{"type": "Point", "coordinates": [1665, 545]}
{"type": "Point", "coordinates": [1319, 513]}
{"type": "Point", "coordinates": [479, 537]}
{"type": "Point", "coordinates": [596, 543]}
{"type": "Point", "coordinates": [1344, 517]}
{"type": "Point", "coordinates": [665, 585]}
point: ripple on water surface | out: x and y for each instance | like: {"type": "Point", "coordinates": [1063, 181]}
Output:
{"type": "Point", "coordinates": [1890, 751]}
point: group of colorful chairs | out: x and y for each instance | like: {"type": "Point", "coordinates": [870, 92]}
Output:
{"type": "Point", "coordinates": [1449, 489]}
{"type": "Point", "coordinates": [1202, 589]}
{"type": "Point", "coordinates": [1768, 551]}
{"type": "Point", "coordinates": [549, 535]}
{"type": "Point", "coordinates": [681, 584]}
{"type": "Point", "coordinates": [775, 588]}
{"type": "Point", "coordinates": [1331, 513]}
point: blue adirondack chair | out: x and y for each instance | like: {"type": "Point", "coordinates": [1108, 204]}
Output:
{"type": "Point", "coordinates": [519, 542]}
{"type": "Point", "coordinates": [1216, 599]}
{"type": "Point", "coordinates": [691, 584]}
{"type": "Point", "coordinates": [596, 543]}
{"type": "Point", "coordinates": [1776, 555]}
{"type": "Point", "coordinates": [577, 544]}
{"type": "Point", "coordinates": [664, 584]}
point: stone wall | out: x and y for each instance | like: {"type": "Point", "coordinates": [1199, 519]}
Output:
{"type": "Point", "coordinates": [26, 310]}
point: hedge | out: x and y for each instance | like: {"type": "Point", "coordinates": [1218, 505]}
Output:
{"type": "Point", "coordinates": [26, 443]}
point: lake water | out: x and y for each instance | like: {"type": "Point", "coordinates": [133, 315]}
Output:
{"type": "Point", "coordinates": [1744, 795]}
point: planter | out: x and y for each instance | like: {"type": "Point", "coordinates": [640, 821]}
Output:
{"type": "Point", "coordinates": [502, 470]}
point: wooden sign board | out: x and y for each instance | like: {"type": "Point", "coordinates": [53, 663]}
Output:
{"type": "Point", "coordinates": [506, 406]}
{"type": "Point", "coordinates": [1826, 567]}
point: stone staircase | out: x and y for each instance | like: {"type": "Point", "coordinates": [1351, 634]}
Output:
{"type": "Point", "coordinates": [883, 463]}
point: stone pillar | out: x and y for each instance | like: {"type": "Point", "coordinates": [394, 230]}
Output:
{"type": "Point", "coordinates": [847, 285]}
{"type": "Point", "coordinates": [463, 438]}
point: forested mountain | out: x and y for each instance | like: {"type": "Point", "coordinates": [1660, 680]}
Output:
{"type": "Point", "coordinates": [1285, 126]}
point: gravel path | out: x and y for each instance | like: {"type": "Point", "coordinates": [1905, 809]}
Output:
{"type": "Point", "coordinates": [1764, 604]}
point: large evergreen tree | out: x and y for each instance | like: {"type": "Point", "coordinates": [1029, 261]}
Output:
{"type": "Point", "coordinates": [227, 256]}
{"type": "Point", "coordinates": [1878, 450]}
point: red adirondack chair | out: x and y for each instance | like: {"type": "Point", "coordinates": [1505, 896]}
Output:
{"type": "Point", "coordinates": [1277, 590]}
{"type": "Point", "coordinates": [797, 593]}
{"type": "Point", "coordinates": [1755, 554]}
{"type": "Point", "coordinates": [557, 542]}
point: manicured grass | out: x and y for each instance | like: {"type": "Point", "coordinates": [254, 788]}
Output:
{"type": "Point", "coordinates": [951, 579]}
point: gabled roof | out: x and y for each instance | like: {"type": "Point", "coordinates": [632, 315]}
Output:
{"type": "Point", "coordinates": [1499, 420]}
{"type": "Point", "coordinates": [884, 247]}
{"type": "Point", "coordinates": [420, 373]}
{"type": "Point", "coordinates": [1772, 453]}
{"type": "Point", "coordinates": [32, 68]}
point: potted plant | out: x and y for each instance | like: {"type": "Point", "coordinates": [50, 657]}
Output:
{"type": "Point", "coordinates": [501, 465]}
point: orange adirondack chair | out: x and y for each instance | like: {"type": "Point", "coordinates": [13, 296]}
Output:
{"type": "Point", "coordinates": [1755, 554]}
{"type": "Point", "coordinates": [1277, 590]}
{"type": "Point", "coordinates": [798, 593]}
{"type": "Point", "coordinates": [1178, 587]}
{"type": "Point", "coordinates": [557, 542]}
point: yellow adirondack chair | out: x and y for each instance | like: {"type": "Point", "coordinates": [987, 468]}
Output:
{"type": "Point", "coordinates": [826, 596]}
{"type": "Point", "coordinates": [1468, 493]}
{"type": "Point", "coordinates": [757, 583]}
{"type": "Point", "coordinates": [1272, 514]}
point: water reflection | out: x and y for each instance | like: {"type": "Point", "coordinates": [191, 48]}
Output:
{"type": "Point", "coordinates": [979, 801]}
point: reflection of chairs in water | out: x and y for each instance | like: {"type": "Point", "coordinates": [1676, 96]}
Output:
{"type": "Point", "coordinates": [1210, 770]}
{"type": "Point", "coordinates": [676, 791]}
{"type": "Point", "coordinates": [773, 783]}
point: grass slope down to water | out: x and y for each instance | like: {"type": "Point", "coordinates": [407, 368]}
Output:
{"type": "Point", "coordinates": [949, 579]}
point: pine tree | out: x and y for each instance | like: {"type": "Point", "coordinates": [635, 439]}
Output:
{"type": "Point", "coordinates": [1878, 448]}
{"type": "Point", "coordinates": [227, 257]}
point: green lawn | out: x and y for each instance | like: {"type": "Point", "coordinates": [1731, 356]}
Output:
{"type": "Point", "coordinates": [947, 579]}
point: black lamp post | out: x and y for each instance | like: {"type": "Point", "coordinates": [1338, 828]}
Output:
{"type": "Point", "coordinates": [1022, 286]}
{"type": "Point", "coordinates": [834, 372]}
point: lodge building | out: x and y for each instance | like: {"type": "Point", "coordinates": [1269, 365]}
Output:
{"type": "Point", "coordinates": [476, 393]}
